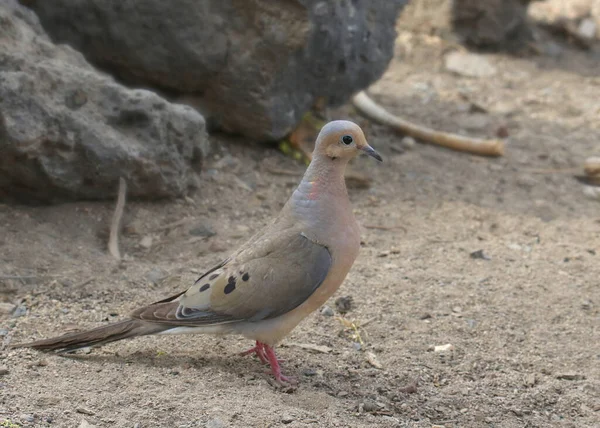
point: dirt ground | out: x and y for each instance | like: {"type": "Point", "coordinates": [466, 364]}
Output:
{"type": "Point", "coordinates": [524, 320]}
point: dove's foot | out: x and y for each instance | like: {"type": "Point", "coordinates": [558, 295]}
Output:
{"type": "Point", "coordinates": [266, 354]}
{"type": "Point", "coordinates": [259, 350]}
{"type": "Point", "coordinates": [275, 368]}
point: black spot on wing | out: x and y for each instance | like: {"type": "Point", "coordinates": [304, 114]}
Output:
{"type": "Point", "coordinates": [246, 276]}
{"type": "Point", "coordinates": [213, 276]}
{"type": "Point", "coordinates": [230, 285]}
{"type": "Point", "coordinates": [205, 287]}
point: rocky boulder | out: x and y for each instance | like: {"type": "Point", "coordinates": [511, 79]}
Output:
{"type": "Point", "coordinates": [69, 132]}
{"type": "Point", "coordinates": [488, 24]}
{"type": "Point", "coordinates": [257, 65]}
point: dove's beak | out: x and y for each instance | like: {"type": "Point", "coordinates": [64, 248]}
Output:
{"type": "Point", "coordinates": [371, 152]}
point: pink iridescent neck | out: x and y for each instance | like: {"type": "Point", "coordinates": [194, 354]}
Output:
{"type": "Point", "coordinates": [323, 179]}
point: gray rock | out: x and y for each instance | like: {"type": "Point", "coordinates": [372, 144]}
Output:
{"type": "Point", "coordinates": [19, 312]}
{"type": "Point", "coordinates": [492, 23]}
{"type": "Point", "coordinates": [286, 418]}
{"type": "Point", "coordinates": [327, 311]}
{"type": "Point", "coordinates": [258, 65]}
{"type": "Point", "coordinates": [202, 230]}
{"type": "Point", "coordinates": [69, 132]}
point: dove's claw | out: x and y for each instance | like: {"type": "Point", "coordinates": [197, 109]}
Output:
{"type": "Point", "coordinates": [266, 354]}
{"type": "Point", "coordinates": [259, 350]}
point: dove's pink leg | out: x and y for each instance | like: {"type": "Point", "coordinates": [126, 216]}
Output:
{"type": "Point", "coordinates": [274, 363]}
{"type": "Point", "coordinates": [259, 350]}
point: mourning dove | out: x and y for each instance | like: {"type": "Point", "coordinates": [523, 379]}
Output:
{"type": "Point", "coordinates": [274, 280]}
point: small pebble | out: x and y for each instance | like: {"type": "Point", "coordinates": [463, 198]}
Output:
{"type": "Point", "coordinates": [469, 64]}
{"type": "Point", "coordinates": [408, 143]}
{"type": "Point", "coordinates": [587, 28]}
{"type": "Point", "coordinates": [592, 192]}
{"type": "Point", "coordinates": [202, 230]}
{"type": "Point", "coordinates": [309, 372]}
{"type": "Point", "coordinates": [28, 418]}
{"type": "Point", "coordinates": [146, 242]}
{"type": "Point", "coordinates": [443, 348]}
{"type": "Point", "coordinates": [19, 312]}
{"type": "Point", "coordinates": [287, 419]}
{"type": "Point", "coordinates": [479, 254]}
{"type": "Point", "coordinates": [529, 379]}
{"type": "Point", "coordinates": [327, 311]}
{"type": "Point", "coordinates": [3, 371]}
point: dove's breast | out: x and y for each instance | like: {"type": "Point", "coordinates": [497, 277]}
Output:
{"type": "Point", "coordinates": [342, 239]}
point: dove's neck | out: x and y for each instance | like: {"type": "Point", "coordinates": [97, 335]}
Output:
{"type": "Point", "coordinates": [322, 187]}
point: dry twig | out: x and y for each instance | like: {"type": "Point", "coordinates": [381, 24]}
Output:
{"type": "Point", "coordinates": [115, 226]}
{"type": "Point", "coordinates": [476, 146]}
{"type": "Point", "coordinates": [380, 227]}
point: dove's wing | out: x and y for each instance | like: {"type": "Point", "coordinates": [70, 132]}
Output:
{"type": "Point", "coordinates": [265, 280]}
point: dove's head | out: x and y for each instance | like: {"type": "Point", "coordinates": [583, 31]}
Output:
{"type": "Point", "coordinates": [342, 140]}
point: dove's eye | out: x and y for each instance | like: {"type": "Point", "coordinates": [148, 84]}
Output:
{"type": "Point", "coordinates": [347, 140]}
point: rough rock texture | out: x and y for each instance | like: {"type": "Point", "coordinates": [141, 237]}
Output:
{"type": "Point", "coordinates": [257, 64]}
{"type": "Point", "coordinates": [580, 18]}
{"type": "Point", "coordinates": [69, 132]}
{"type": "Point", "coordinates": [492, 24]}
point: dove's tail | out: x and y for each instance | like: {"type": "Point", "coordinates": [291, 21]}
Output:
{"type": "Point", "coordinates": [96, 337]}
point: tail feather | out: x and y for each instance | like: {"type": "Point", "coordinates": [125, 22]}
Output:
{"type": "Point", "coordinates": [95, 337]}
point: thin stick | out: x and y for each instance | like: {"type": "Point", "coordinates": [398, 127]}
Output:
{"type": "Point", "coordinates": [378, 227]}
{"type": "Point", "coordinates": [476, 146]}
{"type": "Point", "coordinates": [115, 226]}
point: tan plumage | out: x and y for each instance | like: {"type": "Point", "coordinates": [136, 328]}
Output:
{"type": "Point", "coordinates": [274, 280]}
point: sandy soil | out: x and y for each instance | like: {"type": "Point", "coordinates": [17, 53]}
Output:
{"type": "Point", "coordinates": [524, 323]}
